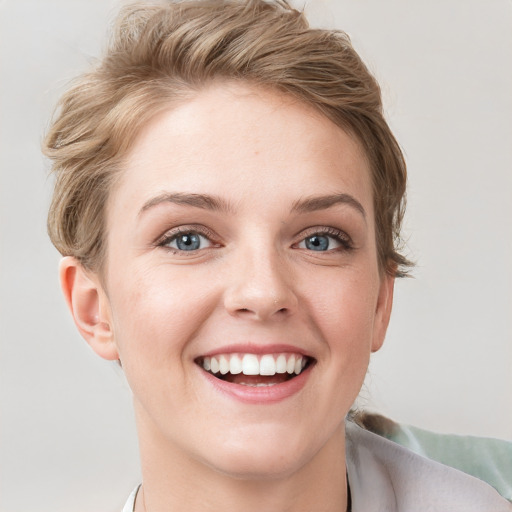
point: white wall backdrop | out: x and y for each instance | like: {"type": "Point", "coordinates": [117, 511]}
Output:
{"type": "Point", "coordinates": [67, 439]}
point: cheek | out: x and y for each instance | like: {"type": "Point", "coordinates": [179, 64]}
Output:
{"type": "Point", "coordinates": [342, 311]}
{"type": "Point", "coordinates": [153, 324]}
{"type": "Point", "coordinates": [344, 307]}
{"type": "Point", "coordinates": [155, 315]}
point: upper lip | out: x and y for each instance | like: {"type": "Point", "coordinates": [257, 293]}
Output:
{"type": "Point", "coordinates": [253, 348]}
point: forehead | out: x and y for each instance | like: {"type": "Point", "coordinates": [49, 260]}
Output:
{"type": "Point", "coordinates": [230, 139]}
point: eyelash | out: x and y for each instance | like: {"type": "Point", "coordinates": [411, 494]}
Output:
{"type": "Point", "coordinates": [337, 234]}
{"type": "Point", "coordinates": [173, 234]}
{"type": "Point", "coordinates": [170, 236]}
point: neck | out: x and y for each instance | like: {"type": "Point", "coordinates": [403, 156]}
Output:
{"type": "Point", "coordinates": [174, 482]}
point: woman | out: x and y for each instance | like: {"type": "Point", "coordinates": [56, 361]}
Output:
{"type": "Point", "coordinates": [228, 204]}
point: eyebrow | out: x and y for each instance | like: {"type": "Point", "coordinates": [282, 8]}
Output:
{"type": "Point", "coordinates": [206, 202]}
{"type": "Point", "coordinates": [214, 203]}
{"type": "Point", "coordinates": [315, 203]}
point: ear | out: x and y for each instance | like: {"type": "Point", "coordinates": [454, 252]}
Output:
{"type": "Point", "coordinates": [383, 311]}
{"type": "Point", "coordinates": [89, 306]}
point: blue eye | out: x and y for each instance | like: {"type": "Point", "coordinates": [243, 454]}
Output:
{"type": "Point", "coordinates": [188, 242]}
{"type": "Point", "coordinates": [317, 243]}
{"type": "Point", "coordinates": [322, 242]}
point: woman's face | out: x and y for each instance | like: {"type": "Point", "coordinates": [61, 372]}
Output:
{"type": "Point", "coordinates": [241, 239]}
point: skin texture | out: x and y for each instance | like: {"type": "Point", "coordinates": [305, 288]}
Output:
{"type": "Point", "coordinates": [254, 281]}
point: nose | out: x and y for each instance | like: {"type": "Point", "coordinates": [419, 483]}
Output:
{"type": "Point", "coordinates": [260, 287]}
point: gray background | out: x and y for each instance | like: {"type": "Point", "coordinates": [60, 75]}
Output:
{"type": "Point", "coordinates": [67, 439]}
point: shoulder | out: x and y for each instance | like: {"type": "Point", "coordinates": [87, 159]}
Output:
{"type": "Point", "coordinates": [385, 476]}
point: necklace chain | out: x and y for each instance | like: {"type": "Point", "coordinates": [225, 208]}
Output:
{"type": "Point", "coordinates": [143, 498]}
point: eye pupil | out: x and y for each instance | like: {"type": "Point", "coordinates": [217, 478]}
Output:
{"type": "Point", "coordinates": [188, 242]}
{"type": "Point", "coordinates": [317, 243]}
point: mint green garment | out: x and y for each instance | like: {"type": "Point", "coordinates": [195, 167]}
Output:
{"type": "Point", "coordinates": [488, 459]}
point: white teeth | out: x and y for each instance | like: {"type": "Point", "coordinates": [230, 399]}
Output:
{"type": "Point", "coordinates": [267, 365]}
{"type": "Point", "coordinates": [223, 365]}
{"type": "Point", "coordinates": [290, 366]}
{"type": "Point", "coordinates": [252, 364]}
{"type": "Point", "coordinates": [235, 365]}
{"type": "Point", "coordinates": [281, 364]}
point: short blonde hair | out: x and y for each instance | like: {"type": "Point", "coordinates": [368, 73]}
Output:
{"type": "Point", "coordinates": [161, 53]}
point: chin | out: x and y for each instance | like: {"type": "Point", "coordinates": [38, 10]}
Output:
{"type": "Point", "coordinates": [264, 457]}
{"type": "Point", "coordinates": [260, 467]}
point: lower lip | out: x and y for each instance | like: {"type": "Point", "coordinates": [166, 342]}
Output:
{"type": "Point", "coordinates": [262, 394]}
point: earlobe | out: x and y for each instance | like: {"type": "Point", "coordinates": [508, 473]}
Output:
{"type": "Point", "coordinates": [88, 304]}
{"type": "Point", "coordinates": [383, 312]}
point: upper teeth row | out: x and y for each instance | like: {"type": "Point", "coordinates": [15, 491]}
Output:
{"type": "Point", "coordinates": [251, 364]}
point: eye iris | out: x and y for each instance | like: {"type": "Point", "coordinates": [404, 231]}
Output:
{"type": "Point", "coordinates": [188, 242]}
{"type": "Point", "coordinates": [317, 243]}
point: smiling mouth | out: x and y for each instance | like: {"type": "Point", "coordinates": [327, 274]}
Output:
{"type": "Point", "coordinates": [255, 370]}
